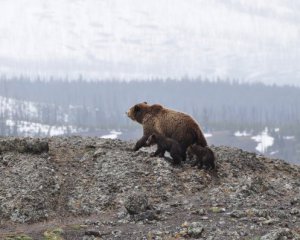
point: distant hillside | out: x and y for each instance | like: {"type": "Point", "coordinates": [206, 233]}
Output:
{"type": "Point", "coordinates": [216, 105]}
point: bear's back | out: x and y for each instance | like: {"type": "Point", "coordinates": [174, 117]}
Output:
{"type": "Point", "coordinates": [177, 125]}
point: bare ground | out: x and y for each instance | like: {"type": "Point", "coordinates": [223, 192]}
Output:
{"type": "Point", "coordinates": [91, 188]}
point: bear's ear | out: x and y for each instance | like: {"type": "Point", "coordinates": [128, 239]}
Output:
{"type": "Point", "coordinates": [145, 102]}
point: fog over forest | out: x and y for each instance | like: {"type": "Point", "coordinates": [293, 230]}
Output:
{"type": "Point", "coordinates": [251, 40]}
{"type": "Point", "coordinates": [222, 108]}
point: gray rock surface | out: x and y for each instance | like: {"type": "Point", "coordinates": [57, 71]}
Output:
{"type": "Point", "coordinates": [136, 203]}
{"type": "Point", "coordinates": [90, 186]}
{"type": "Point", "coordinates": [23, 145]}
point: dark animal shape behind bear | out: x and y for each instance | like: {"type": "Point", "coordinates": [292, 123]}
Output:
{"type": "Point", "coordinates": [204, 155]}
{"type": "Point", "coordinates": [165, 144]}
{"type": "Point", "coordinates": [172, 124]}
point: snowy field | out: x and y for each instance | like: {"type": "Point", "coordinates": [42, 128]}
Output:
{"type": "Point", "coordinates": [249, 40]}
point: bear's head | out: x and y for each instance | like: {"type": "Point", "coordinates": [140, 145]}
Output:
{"type": "Point", "coordinates": [198, 150]}
{"type": "Point", "coordinates": [151, 140]}
{"type": "Point", "coordinates": [193, 147]}
{"type": "Point", "coordinates": [137, 112]}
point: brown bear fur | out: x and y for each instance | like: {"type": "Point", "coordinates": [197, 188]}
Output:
{"type": "Point", "coordinates": [169, 123]}
{"type": "Point", "coordinates": [204, 155]}
{"type": "Point", "coordinates": [165, 144]}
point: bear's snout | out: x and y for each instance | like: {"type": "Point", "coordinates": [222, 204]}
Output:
{"type": "Point", "coordinates": [129, 114]}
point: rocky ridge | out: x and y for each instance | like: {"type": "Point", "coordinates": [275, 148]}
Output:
{"type": "Point", "coordinates": [91, 188]}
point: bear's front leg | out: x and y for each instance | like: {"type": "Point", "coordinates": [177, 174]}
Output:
{"type": "Point", "coordinates": [200, 163]}
{"type": "Point", "coordinates": [159, 152]}
{"type": "Point", "coordinates": [140, 143]}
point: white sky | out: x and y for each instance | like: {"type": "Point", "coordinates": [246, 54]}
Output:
{"type": "Point", "coordinates": [253, 40]}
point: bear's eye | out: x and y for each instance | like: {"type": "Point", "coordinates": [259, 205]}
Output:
{"type": "Point", "coordinates": [136, 108]}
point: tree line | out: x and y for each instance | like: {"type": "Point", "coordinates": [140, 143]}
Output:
{"type": "Point", "coordinates": [102, 104]}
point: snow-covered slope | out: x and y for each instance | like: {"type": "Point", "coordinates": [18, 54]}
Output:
{"type": "Point", "coordinates": [251, 40]}
{"type": "Point", "coordinates": [13, 108]}
{"type": "Point", "coordinates": [31, 129]}
{"type": "Point", "coordinates": [25, 118]}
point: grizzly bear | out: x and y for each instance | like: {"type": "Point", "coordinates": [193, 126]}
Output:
{"type": "Point", "coordinates": [165, 144]}
{"type": "Point", "coordinates": [172, 124]}
{"type": "Point", "coordinates": [204, 155]}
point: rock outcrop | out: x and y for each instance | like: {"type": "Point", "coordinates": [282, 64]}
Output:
{"type": "Point", "coordinates": [93, 188]}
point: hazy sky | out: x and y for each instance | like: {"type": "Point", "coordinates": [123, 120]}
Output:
{"type": "Point", "coordinates": [252, 40]}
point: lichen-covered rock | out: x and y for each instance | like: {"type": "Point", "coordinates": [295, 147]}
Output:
{"type": "Point", "coordinates": [18, 237]}
{"type": "Point", "coordinates": [136, 203]}
{"type": "Point", "coordinates": [53, 234]}
{"type": "Point", "coordinates": [24, 145]}
{"type": "Point", "coordinates": [281, 233]}
{"type": "Point", "coordinates": [130, 195]}
{"type": "Point", "coordinates": [238, 214]}
{"type": "Point", "coordinates": [195, 229]}
{"type": "Point", "coordinates": [28, 190]}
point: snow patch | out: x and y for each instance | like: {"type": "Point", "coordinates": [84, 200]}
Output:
{"type": "Point", "coordinates": [289, 137]}
{"type": "Point", "coordinates": [264, 141]}
{"type": "Point", "coordinates": [208, 135]}
{"type": "Point", "coordinates": [242, 134]}
{"type": "Point", "coordinates": [274, 152]}
{"type": "Point", "coordinates": [113, 135]}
